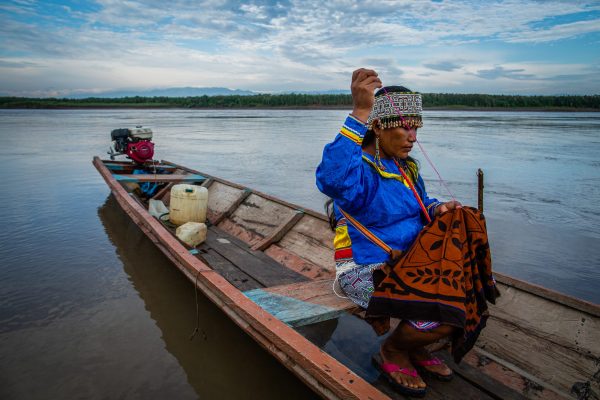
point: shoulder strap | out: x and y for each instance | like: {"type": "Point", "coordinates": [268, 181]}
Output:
{"type": "Point", "coordinates": [366, 233]}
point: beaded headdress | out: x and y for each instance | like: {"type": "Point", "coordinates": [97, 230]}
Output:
{"type": "Point", "coordinates": [390, 101]}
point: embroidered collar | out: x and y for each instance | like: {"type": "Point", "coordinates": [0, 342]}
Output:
{"type": "Point", "coordinates": [369, 159]}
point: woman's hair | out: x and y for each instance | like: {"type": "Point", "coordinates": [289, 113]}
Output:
{"type": "Point", "coordinates": [330, 214]}
{"type": "Point", "coordinates": [368, 138]}
{"type": "Point", "coordinates": [386, 89]}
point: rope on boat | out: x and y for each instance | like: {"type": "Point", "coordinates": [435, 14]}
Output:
{"type": "Point", "coordinates": [197, 307]}
{"type": "Point", "coordinates": [167, 222]}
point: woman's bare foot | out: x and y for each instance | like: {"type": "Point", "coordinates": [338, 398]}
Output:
{"type": "Point", "coordinates": [401, 359]}
{"type": "Point", "coordinates": [421, 354]}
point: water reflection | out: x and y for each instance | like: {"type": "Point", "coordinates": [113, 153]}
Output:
{"type": "Point", "coordinates": [221, 362]}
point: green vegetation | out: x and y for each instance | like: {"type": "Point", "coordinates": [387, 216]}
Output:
{"type": "Point", "coordinates": [430, 100]}
{"type": "Point", "coordinates": [504, 101]}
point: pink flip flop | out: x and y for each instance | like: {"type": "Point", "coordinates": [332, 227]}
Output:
{"type": "Point", "coordinates": [427, 363]}
{"type": "Point", "coordinates": [387, 369]}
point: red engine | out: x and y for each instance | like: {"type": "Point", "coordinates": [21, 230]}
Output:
{"type": "Point", "coordinates": [140, 151]}
{"type": "Point", "coordinates": [136, 143]}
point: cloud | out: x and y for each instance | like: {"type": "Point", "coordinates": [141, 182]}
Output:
{"type": "Point", "coordinates": [282, 45]}
{"type": "Point", "coordinates": [324, 27]}
{"type": "Point", "coordinates": [384, 66]}
{"type": "Point", "coordinates": [501, 72]}
{"type": "Point", "coordinates": [17, 64]}
{"type": "Point", "coordinates": [554, 33]}
{"type": "Point", "coordinates": [443, 66]}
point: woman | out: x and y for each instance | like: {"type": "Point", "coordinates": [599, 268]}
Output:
{"type": "Point", "coordinates": [369, 174]}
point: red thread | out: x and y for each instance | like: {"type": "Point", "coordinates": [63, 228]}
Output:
{"type": "Point", "coordinates": [420, 147]}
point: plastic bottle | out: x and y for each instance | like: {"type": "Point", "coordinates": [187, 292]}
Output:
{"type": "Point", "coordinates": [192, 233]}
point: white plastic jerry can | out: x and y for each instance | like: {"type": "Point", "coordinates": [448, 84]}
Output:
{"type": "Point", "coordinates": [188, 204]}
{"type": "Point", "coordinates": [192, 233]}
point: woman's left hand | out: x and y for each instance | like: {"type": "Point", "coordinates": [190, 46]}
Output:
{"type": "Point", "coordinates": [447, 206]}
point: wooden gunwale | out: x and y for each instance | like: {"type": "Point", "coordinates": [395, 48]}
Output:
{"type": "Point", "coordinates": [551, 295]}
{"type": "Point", "coordinates": [324, 374]}
{"type": "Point", "coordinates": [548, 294]}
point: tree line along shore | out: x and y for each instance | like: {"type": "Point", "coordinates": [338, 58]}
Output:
{"type": "Point", "coordinates": [430, 101]}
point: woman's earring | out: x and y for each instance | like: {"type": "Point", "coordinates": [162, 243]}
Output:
{"type": "Point", "coordinates": [377, 157]}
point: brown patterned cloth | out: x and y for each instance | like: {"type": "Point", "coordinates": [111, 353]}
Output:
{"type": "Point", "coordinates": [445, 276]}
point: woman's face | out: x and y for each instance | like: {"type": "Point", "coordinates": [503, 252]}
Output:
{"type": "Point", "coordinates": [396, 142]}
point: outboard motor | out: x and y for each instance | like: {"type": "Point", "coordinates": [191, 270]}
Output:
{"type": "Point", "coordinates": [135, 143]}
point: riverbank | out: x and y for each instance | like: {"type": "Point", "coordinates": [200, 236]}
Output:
{"type": "Point", "coordinates": [431, 101]}
{"type": "Point", "coordinates": [346, 107]}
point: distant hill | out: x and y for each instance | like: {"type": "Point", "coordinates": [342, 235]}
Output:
{"type": "Point", "coordinates": [168, 92]}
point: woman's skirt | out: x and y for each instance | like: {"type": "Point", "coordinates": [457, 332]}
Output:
{"type": "Point", "coordinates": [445, 276]}
{"type": "Point", "coordinates": [357, 283]}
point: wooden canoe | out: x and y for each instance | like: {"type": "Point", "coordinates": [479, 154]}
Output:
{"type": "Point", "coordinates": [268, 264]}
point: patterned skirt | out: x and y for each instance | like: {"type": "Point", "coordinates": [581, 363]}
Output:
{"type": "Point", "coordinates": [446, 276]}
{"type": "Point", "coordinates": [357, 283]}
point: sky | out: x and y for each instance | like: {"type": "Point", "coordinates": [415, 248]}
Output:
{"type": "Point", "coordinates": [62, 48]}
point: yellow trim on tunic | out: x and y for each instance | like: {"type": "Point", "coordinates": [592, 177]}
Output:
{"type": "Point", "coordinates": [350, 134]}
{"type": "Point", "coordinates": [342, 239]}
{"type": "Point", "coordinates": [413, 169]}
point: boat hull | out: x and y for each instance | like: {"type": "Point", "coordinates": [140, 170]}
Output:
{"type": "Point", "coordinates": [538, 343]}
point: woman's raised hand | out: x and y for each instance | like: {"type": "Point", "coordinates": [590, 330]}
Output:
{"type": "Point", "coordinates": [364, 83]}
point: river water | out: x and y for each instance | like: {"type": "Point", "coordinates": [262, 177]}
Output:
{"type": "Point", "coordinates": [89, 308]}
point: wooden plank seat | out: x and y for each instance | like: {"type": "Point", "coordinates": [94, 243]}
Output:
{"type": "Point", "coordinates": [243, 266]}
{"type": "Point", "coordinates": [286, 294]}
{"type": "Point", "coordinates": [159, 177]}
{"type": "Point", "coordinates": [289, 296]}
{"type": "Point", "coordinates": [302, 303]}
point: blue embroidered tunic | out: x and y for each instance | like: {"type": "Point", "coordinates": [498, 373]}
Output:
{"type": "Point", "coordinates": [380, 200]}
